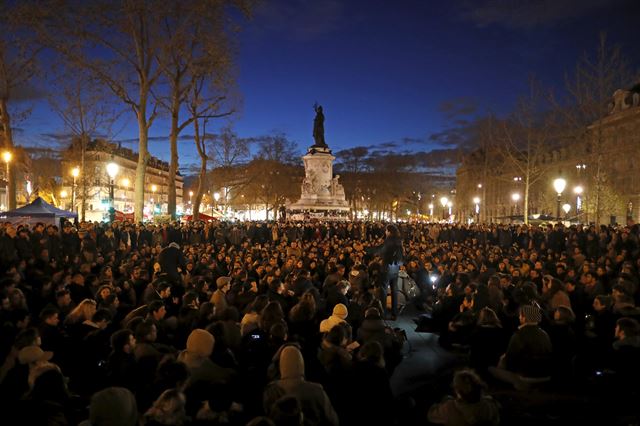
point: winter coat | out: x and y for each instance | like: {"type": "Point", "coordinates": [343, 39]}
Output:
{"type": "Point", "coordinates": [454, 412]}
{"type": "Point", "coordinates": [529, 352]}
{"type": "Point", "coordinates": [315, 404]}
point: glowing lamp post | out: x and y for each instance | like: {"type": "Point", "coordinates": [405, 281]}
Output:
{"type": "Point", "coordinates": [431, 210]}
{"type": "Point", "coordinates": [476, 201]}
{"type": "Point", "coordinates": [216, 197]}
{"type": "Point", "coordinates": [154, 188]}
{"type": "Point", "coordinates": [75, 172]}
{"type": "Point", "coordinates": [444, 201]}
{"type": "Point", "coordinates": [6, 156]}
{"type": "Point", "coordinates": [578, 190]}
{"type": "Point", "coordinates": [112, 171]}
{"type": "Point", "coordinates": [515, 197]}
{"type": "Point", "coordinates": [63, 194]}
{"type": "Point", "coordinates": [559, 185]}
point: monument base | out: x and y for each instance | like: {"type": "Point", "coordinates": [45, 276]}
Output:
{"type": "Point", "coordinates": [321, 191]}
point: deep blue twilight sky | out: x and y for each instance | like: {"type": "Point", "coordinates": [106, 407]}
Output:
{"type": "Point", "coordinates": [382, 69]}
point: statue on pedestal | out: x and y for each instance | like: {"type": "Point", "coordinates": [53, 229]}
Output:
{"type": "Point", "coordinates": [318, 127]}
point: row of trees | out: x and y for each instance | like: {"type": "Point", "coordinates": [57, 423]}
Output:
{"type": "Point", "coordinates": [521, 144]}
{"type": "Point", "coordinates": [133, 57]}
{"type": "Point", "coordinates": [374, 180]}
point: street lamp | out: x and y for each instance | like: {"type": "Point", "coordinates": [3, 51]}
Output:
{"type": "Point", "coordinates": [444, 201]}
{"type": "Point", "coordinates": [6, 156]}
{"type": "Point", "coordinates": [476, 201]}
{"type": "Point", "coordinates": [566, 207]}
{"type": "Point", "coordinates": [578, 190]}
{"type": "Point", "coordinates": [112, 171]}
{"type": "Point", "coordinates": [63, 194]}
{"type": "Point", "coordinates": [515, 197]}
{"type": "Point", "coordinates": [559, 185]}
{"type": "Point", "coordinates": [75, 172]}
{"type": "Point", "coordinates": [216, 197]}
{"type": "Point", "coordinates": [431, 210]}
{"type": "Point", "coordinates": [190, 196]}
{"type": "Point", "coordinates": [450, 205]}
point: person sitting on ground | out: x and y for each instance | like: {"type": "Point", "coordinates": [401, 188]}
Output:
{"type": "Point", "coordinates": [339, 316]}
{"type": "Point", "coordinates": [470, 406]}
{"type": "Point", "coordinates": [528, 356]}
{"type": "Point", "coordinates": [626, 352]}
{"type": "Point", "coordinates": [316, 406]}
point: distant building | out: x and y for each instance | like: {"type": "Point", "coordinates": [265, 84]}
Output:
{"type": "Point", "coordinates": [98, 154]}
{"type": "Point", "coordinates": [610, 145]}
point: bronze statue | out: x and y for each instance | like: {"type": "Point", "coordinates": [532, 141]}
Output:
{"type": "Point", "coordinates": [318, 127]}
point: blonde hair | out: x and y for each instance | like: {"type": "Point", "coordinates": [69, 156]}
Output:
{"type": "Point", "coordinates": [82, 312]}
{"type": "Point", "coordinates": [169, 408]}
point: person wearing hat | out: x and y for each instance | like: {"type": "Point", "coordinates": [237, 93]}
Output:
{"type": "Point", "coordinates": [529, 353]}
{"type": "Point", "coordinates": [15, 384]}
{"type": "Point", "coordinates": [33, 356]}
{"type": "Point", "coordinates": [338, 316]}
{"type": "Point", "coordinates": [112, 406]}
{"type": "Point", "coordinates": [219, 297]}
{"type": "Point", "coordinates": [314, 402]}
{"type": "Point", "coordinates": [196, 357]}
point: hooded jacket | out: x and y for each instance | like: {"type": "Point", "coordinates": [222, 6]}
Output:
{"type": "Point", "coordinates": [313, 400]}
{"type": "Point", "coordinates": [459, 413]}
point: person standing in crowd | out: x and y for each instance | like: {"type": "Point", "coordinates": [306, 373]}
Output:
{"type": "Point", "coordinates": [392, 254]}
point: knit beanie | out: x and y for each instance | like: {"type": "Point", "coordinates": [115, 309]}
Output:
{"type": "Point", "coordinates": [340, 311]}
{"type": "Point", "coordinates": [113, 406]}
{"type": "Point", "coordinates": [291, 363]}
{"type": "Point", "coordinates": [200, 342]}
{"type": "Point", "coordinates": [531, 313]}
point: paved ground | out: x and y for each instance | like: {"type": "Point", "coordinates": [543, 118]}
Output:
{"type": "Point", "coordinates": [424, 377]}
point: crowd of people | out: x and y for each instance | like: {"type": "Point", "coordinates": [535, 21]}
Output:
{"type": "Point", "coordinates": [289, 323]}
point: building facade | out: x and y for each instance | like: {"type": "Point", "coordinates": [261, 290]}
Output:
{"type": "Point", "coordinates": [600, 170]}
{"type": "Point", "coordinates": [93, 183]}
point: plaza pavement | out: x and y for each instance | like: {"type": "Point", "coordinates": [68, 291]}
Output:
{"type": "Point", "coordinates": [425, 374]}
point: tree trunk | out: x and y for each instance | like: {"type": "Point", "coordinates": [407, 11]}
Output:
{"type": "Point", "coordinates": [83, 150]}
{"type": "Point", "coordinates": [202, 175]}
{"type": "Point", "coordinates": [173, 142]}
{"type": "Point", "coordinates": [5, 119]}
{"type": "Point", "coordinates": [200, 146]}
{"type": "Point", "coordinates": [143, 159]}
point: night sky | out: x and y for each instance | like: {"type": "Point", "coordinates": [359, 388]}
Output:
{"type": "Point", "coordinates": [385, 71]}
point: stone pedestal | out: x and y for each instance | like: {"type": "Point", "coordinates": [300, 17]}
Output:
{"type": "Point", "coordinates": [321, 191]}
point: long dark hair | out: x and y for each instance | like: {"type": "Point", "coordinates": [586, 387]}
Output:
{"type": "Point", "coordinates": [393, 230]}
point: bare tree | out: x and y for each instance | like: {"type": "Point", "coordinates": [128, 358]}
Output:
{"type": "Point", "coordinates": [527, 137]}
{"type": "Point", "coordinates": [128, 35]}
{"type": "Point", "coordinates": [590, 88]}
{"type": "Point", "coordinates": [197, 45]}
{"type": "Point", "coordinates": [202, 108]}
{"type": "Point", "coordinates": [228, 153]}
{"type": "Point", "coordinates": [87, 112]}
{"type": "Point", "coordinates": [272, 173]}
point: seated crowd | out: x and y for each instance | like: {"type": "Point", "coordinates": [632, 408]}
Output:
{"type": "Point", "coordinates": [282, 323]}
